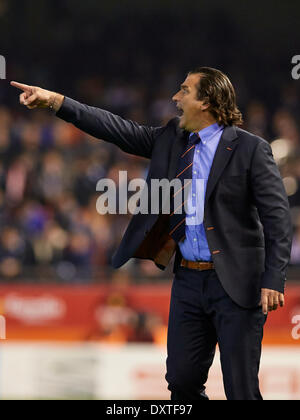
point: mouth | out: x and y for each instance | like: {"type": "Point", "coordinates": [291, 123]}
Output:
{"type": "Point", "coordinates": [180, 111]}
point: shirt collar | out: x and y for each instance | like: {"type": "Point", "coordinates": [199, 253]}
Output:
{"type": "Point", "coordinates": [208, 132]}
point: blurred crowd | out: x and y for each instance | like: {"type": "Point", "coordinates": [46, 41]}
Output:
{"type": "Point", "coordinates": [48, 174]}
{"type": "Point", "coordinates": [49, 171]}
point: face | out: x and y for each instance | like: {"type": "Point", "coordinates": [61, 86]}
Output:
{"type": "Point", "coordinates": [192, 108]}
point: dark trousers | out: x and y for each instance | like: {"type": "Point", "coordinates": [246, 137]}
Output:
{"type": "Point", "coordinates": [201, 315]}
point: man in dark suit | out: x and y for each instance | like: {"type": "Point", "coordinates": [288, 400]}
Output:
{"type": "Point", "coordinates": [231, 253]}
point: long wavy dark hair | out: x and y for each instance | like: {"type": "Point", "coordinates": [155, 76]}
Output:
{"type": "Point", "coordinates": [216, 89]}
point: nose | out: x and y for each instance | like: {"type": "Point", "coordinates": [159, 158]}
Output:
{"type": "Point", "coordinates": [175, 97]}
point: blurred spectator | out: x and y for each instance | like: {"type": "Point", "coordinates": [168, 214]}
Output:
{"type": "Point", "coordinates": [116, 320]}
{"type": "Point", "coordinates": [295, 254]}
{"type": "Point", "coordinates": [15, 252]}
{"type": "Point", "coordinates": [285, 127]}
{"type": "Point", "coordinates": [257, 119]}
{"type": "Point", "coordinates": [119, 323]}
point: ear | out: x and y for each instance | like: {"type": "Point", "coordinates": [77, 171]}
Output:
{"type": "Point", "coordinates": [204, 104]}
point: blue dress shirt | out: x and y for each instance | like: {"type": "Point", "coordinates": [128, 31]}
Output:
{"type": "Point", "coordinates": [195, 247]}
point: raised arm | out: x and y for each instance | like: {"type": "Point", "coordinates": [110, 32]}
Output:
{"type": "Point", "coordinates": [127, 135]}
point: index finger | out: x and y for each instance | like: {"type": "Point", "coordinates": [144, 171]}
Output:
{"type": "Point", "coordinates": [21, 86]}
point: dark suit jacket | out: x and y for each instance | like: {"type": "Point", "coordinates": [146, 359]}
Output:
{"type": "Point", "coordinates": [246, 217]}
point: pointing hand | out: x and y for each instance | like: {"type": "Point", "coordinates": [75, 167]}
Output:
{"type": "Point", "coordinates": [36, 97]}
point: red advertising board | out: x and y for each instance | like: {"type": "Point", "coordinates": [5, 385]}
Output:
{"type": "Point", "coordinates": [50, 312]}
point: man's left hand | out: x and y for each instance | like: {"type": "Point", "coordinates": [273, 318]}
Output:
{"type": "Point", "coordinates": [270, 299]}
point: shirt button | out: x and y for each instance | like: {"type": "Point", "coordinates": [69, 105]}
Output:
{"type": "Point", "coordinates": [195, 239]}
{"type": "Point", "coordinates": [194, 195]}
{"type": "Point", "coordinates": [195, 172]}
{"type": "Point", "coordinates": [198, 151]}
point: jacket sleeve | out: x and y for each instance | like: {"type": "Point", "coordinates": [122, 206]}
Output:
{"type": "Point", "coordinates": [273, 208]}
{"type": "Point", "coordinates": [129, 136]}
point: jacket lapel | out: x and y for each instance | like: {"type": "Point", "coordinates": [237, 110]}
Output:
{"type": "Point", "coordinates": [225, 149]}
